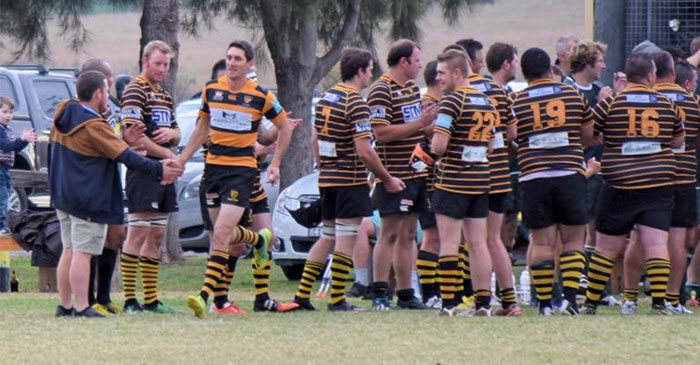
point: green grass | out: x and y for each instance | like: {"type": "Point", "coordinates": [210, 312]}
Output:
{"type": "Point", "coordinates": [30, 334]}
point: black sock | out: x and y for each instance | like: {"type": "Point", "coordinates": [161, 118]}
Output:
{"type": "Point", "coordinates": [91, 285]}
{"type": "Point", "coordinates": [405, 294]}
{"type": "Point", "coordinates": [105, 270]}
{"type": "Point", "coordinates": [380, 288]}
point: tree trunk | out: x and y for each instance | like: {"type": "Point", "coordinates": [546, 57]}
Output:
{"type": "Point", "coordinates": [609, 28]}
{"type": "Point", "coordinates": [160, 20]}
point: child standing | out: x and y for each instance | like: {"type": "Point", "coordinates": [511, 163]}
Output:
{"type": "Point", "coordinates": [8, 146]}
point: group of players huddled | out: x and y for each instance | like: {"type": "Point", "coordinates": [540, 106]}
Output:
{"type": "Point", "coordinates": [595, 170]}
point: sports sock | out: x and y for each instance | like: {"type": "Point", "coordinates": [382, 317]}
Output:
{"type": "Point", "coordinates": [129, 265]}
{"type": "Point", "coordinates": [149, 276]}
{"type": "Point", "coordinates": [311, 271]}
{"type": "Point", "coordinates": [673, 298]}
{"type": "Point", "coordinates": [507, 297]}
{"type": "Point", "coordinates": [449, 276]}
{"type": "Point", "coordinates": [340, 271]}
{"type": "Point", "coordinates": [224, 283]}
{"type": "Point", "coordinates": [466, 284]}
{"type": "Point", "coordinates": [658, 269]}
{"type": "Point", "coordinates": [105, 270]}
{"type": "Point", "coordinates": [571, 264]}
{"type": "Point", "coordinates": [483, 299]}
{"type": "Point", "coordinates": [261, 279]}
{"type": "Point", "coordinates": [362, 276]}
{"type": "Point", "coordinates": [427, 263]}
{"type": "Point", "coordinates": [216, 264]}
{"type": "Point", "coordinates": [380, 289]}
{"type": "Point", "coordinates": [630, 295]}
{"type": "Point", "coordinates": [543, 279]}
{"type": "Point", "coordinates": [599, 271]}
{"type": "Point", "coordinates": [244, 235]}
{"type": "Point", "coordinates": [91, 283]}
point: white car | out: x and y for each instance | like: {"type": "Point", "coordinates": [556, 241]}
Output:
{"type": "Point", "coordinates": [290, 249]}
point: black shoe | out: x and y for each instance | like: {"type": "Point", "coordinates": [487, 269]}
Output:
{"type": "Point", "coordinates": [88, 313]}
{"type": "Point", "coordinates": [357, 290]}
{"type": "Point", "coordinates": [132, 306]}
{"type": "Point", "coordinates": [589, 309]}
{"type": "Point", "coordinates": [412, 303]}
{"type": "Point", "coordinates": [63, 312]}
{"type": "Point", "coordinates": [369, 294]}
{"type": "Point", "coordinates": [304, 304]}
{"type": "Point", "coordinates": [344, 306]}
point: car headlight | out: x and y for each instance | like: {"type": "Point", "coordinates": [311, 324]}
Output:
{"type": "Point", "coordinates": [191, 191]}
{"type": "Point", "coordinates": [285, 203]}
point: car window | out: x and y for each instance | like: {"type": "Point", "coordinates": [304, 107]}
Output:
{"type": "Point", "coordinates": [49, 94]}
{"type": "Point", "coordinates": [8, 90]}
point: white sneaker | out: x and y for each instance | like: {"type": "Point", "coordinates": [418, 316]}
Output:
{"type": "Point", "coordinates": [453, 312]}
{"type": "Point", "coordinates": [610, 301]}
{"type": "Point", "coordinates": [482, 312]}
{"type": "Point", "coordinates": [546, 312]}
{"type": "Point", "coordinates": [434, 302]}
{"type": "Point", "coordinates": [678, 309]}
{"type": "Point", "coordinates": [628, 308]}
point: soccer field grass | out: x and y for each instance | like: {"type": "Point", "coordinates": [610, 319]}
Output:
{"type": "Point", "coordinates": [30, 334]}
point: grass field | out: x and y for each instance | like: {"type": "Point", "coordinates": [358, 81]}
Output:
{"type": "Point", "coordinates": [30, 334]}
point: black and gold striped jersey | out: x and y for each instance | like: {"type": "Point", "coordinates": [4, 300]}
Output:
{"type": "Point", "coordinates": [467, 117]}
{"type": "Point", "coordinates": [549, 117]}
{"type": "Point", "coordinates": [499, 173]}
{"type": "Point", "coordinates": [148, 104]}
{"type": "Point", "coordinates": [638, 125]}
{"type": "Point", "coordinates": [432, 169]}
{"type": "Point", "coordinates": [258, 192]}
{"type": "Point", "coordinates": [392, 104]}
{"type": "Point", "coordinates": [341, 118]}
{"type": "Point", "coordinates": [234, 117]}
{"type": "Point", "coordinates": [689, 105]}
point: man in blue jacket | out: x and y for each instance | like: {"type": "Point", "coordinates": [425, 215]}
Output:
{"type": "Point", "coordinates": [85, 186]}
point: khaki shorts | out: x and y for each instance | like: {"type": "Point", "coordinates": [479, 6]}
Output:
{"type": "Point", "coordinates": [80, 235]}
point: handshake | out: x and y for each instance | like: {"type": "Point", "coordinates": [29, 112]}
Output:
{"type": "Point", "coordinates": [171, 171]}
{"type": "Point", "coordinates": [172, 166]}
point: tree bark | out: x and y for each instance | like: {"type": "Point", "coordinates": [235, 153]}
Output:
{"type": "Point", "coordinates": [160, 20]}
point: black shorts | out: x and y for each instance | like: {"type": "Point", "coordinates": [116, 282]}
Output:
{"type": "Point", "coordinates": [460, 206]}
{"type": "Point", "coordinates": [427, 216]}
{"type": "Point", "coordinates": [593, 185]}
{"type": "Point", "coordinates": [260, 206]}
{"type": "Point", "coordinates": [497, 202]}
{"type": "Point", "coordinates": [513, 197]}
{"type": "Point", "coordinates": [413, 199]}
{"type": "Point", "coordinates": [345, 202]}
{"type": "Point", "coordinates": [554, 200]}
{"type": "Point", "coordinates": [685, 210]}
{"type": "Point", "coordinates": [212, 201]}
{"type": "Point", "coordinates": [620, 209]}
{"type": "Point", "coordinates": [233, 184]}
{"type": "Point", "coordinates": [144, 193]}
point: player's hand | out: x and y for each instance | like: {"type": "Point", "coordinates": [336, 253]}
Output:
{"type": "Point", "coordinates": [171, 171]}
{"type": "Point", "coordinates": [163, 135]}
{"type": "Point", "coordinates": [294, 123]}
{"type": "Point", "coordinates": [28, 135]}
{"type": "Point", "coordinates": [139, 148]}
{"type": "Point", "coordinates": [394, 185]}
{"type": "Point", "coordinates": [593, 166]}
{"type": "Point", "coordinates": [273, 174]}
{"type": "Point", "coordinates": [604, 92]}
{"type": "Point", "coordinates": [619, 81]}
{"type": "Point", "coordinates": [133, 132]}
{"type": "Point", "coordinates": [428, 114]}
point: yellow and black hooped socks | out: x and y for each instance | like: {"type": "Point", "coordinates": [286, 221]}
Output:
{"type": "Point", "coordinates": [658, 270]}
{"type": "Point", "coordinates": [466, 284]}
{"type": "Point", "coordinates": [129, 265]}
{"type": "Point", "coordinates": [543, 280]}
{"type": "Point", "coordinates": [449, 275]}
{"type": "Point", "coordinates": [599, 271]}
{"type": "Point", "coordinates": [224, 283]}
{"type": "Point", "coordinates": [244, 235]}
{"type": "Point", "coordinates": [571, 264]}
{"type": "Point", "coordinates": [507, 297]}
{"type": "Point", "coordinates": [673, 298]}
{"type": "Point", "coordinates": [630, 295]}
{"type": "Point", "coordinates": [261, 279]}
{"type": "Point", "coordinates": [483, 299]}
{"type": "Point", "coordinates": [427, 264]}
{"type": "Point", "coordinates": [149, 276]}
{"type": "Point", "coordinates": [216, 264]}
{"type": "Point", "coordinates": [340, 271]}
{"type": "Point", "coordinates": [312, 270]}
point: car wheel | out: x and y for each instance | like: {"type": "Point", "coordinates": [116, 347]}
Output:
{"type": "Point", "coordinates": [293, 272]}
{"type": "Point", "coordinates": [17, 200]}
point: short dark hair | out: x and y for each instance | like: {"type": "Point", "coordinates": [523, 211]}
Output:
{"type": "Point", "coordinates": [403, 48]}
{"type": "Point", "coordinates": [684, 72]}
{"type": "Point", "coordinates": [352, 60]}
{"type": "Point", "coordinates": [471, 46]}
{"type": "Point", "coordinates": [454, 46]}
{"type": "Point", "coordinates": [664, 63]}
{"type": "Point", "coordinates": [535, 63]}
{"type": "Point", "coordinates": [430, 73]}
{"type": "Point", "coordinates": [695, 45]}
{"type": "Point", "coordinates": [218, 66]}
{"type": "Point", "coordinates": [88, 82]}
{"type": "Point", "coordinates": [638, 66]}
{"type": "Point", "coordinates": [245, 46]}
{"type": "Point", "coordinates": [499, 53]}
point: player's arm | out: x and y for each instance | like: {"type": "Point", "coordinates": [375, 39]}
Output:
{"type": "Point", "coordinates": [379, 101]}
{"type": "Point", "coordinates": [133, 106]}
{"type": "Point", "coordinates": [278, 116]}
{"type": "Point", "coordinates": [314, 147]}
{"type": "Point", "coordinates": [449, 109]}
{"type": "Point", "coordinates": [599, 115]}
{"type": "Point", "coordinates": [678, 128]}
{"type": "Point", "coordinates": [199, 136]}
{"type": "Point", "coordinates": [587, 133]}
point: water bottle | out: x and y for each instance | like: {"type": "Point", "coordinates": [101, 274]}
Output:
{"type": "Point", "coordinates": [493, 282]}
{"type": "Point", "coordinates": [524, 288]}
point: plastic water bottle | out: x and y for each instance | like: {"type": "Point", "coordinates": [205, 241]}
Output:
{"type": "Point", "coordinates": [493, 283]}
{"type": "Point", "coordinates": [524, 288]}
